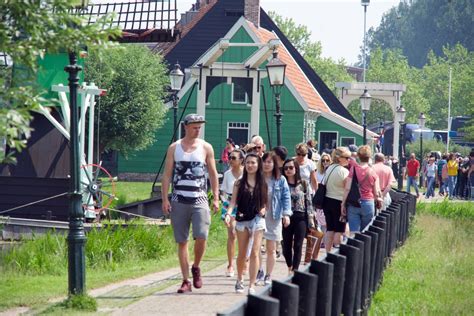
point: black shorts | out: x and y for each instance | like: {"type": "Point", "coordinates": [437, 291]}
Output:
{"type": "Point", "coordinates": [332, 212]}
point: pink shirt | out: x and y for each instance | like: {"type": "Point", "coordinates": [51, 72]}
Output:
{"type": "Point", "coordinates": [366, 187]}
{"type": "Point", "coordinates": [385, 174]}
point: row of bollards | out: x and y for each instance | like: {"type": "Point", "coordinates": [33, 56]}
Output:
{"type": "Point", "coordinates": [344, 281]}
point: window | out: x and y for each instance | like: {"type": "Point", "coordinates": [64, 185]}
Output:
{"type": "Point", "coordinates": [239, 132]}
{"type": "Point", "coordinates": [346, 141]}
{"type": "Point", "coordinates": [238, 94]}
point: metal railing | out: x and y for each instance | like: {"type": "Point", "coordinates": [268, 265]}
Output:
{"type": "Point", "coordinates": [345, 280]}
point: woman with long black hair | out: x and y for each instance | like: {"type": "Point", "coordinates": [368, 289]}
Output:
{"type": "Point", "coordinates": [250, 198]}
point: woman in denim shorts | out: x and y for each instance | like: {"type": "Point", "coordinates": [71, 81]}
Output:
{"type": "Point", "coordinates": [278, 209]}
{"type": "Point", "coordinates": [250, 197]}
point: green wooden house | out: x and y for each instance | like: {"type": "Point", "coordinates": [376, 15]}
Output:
{"type": "Point", "coordinates": [223, 49]}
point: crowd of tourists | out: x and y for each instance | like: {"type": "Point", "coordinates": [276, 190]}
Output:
{"type": "Point", "coordinates": [451, 173]}
{"type": "Point", "coordinates": [271, 198]}
{"type": "Point", "coordinates": [279, 197]}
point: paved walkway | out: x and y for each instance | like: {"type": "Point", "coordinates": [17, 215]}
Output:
{"type": "Point", "coordinates": [155, 294]}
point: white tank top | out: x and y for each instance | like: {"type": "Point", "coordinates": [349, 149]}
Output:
{"type": "Point", "coordinates": [190, 170]}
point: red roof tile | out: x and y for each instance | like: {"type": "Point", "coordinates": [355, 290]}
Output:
{"type": "Point", "coordinates": [294, 73]}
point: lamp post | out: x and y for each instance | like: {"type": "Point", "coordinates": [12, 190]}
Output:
{"type": "Point", "coordinates": [421, 123]}
{"type": "Point", "coordinates": [276, 75]}
{"type": "Point", "coordinates": [365, 4]}
{"type": "Point", "coordinates": [380, 130]}
{"type": "Point", "coordinates": [401, 113]}
{"type": "Point", "coordinates": [176, 82]}
{"type": "Point", "coordinates": [365, 100]}
{"type": "Point", "coordinates": [76, 237]}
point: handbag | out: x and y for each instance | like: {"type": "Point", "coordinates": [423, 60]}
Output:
{"type": "Point", "coordinates": [320, 195]}
{"type": "Point", "coordinates": [310, 218]}
{"type": "Point", "coordinates": [353, 197]}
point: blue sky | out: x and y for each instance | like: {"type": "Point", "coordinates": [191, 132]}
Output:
{"type": "Point", "coordinates": [337, 24]}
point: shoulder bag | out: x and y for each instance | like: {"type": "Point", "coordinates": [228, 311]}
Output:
{"type": "Point", "coordinates": [320, 195]}
{"type": "Point", "coordinates": [353, 198]}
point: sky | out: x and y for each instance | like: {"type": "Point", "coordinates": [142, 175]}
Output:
{"type": "Point", "coordinates": [337, 24]}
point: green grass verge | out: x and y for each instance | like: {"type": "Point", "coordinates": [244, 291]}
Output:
{"type": "Point", "coordinates": [432, 274]}
{"type": "Point", "coordinates": [37, 270]}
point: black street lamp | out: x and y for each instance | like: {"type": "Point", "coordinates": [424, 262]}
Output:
{"type": "Point", "coordinates": [380, 130]}
{"type": "Point", "coordinates": [365, 100]}
{"type": "Point", "coordinates": [76, 237]}
{"type": "Point", "coordinates": [421, 123]}
{"type": "Point", "coordinates": [276, 75]}
{"type": "Point", "coordinates": [176, 82]}
{"type": "Point", "coordinates": [401, 113]}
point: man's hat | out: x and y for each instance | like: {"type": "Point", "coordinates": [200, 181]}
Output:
{"type": "Point", "coordinates": [193, 118]}
{"type": "Point", "coordinates": [353, 148]}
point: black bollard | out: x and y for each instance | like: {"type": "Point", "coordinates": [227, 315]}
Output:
{"type": "Point", "coordinates": [350, 285]}
{"type": "Point", "coordinates": [262, 306]}
{"type": "Point", "coordinates": [308, 284]}
{"type": "Point", "coordinates": [366, 269]}
{"type": "Point", "coordinates": [386, 217]}
{"type": "Point", "coordinates": [288, 295]}
{"type": "Point", "coordinates": [373, 258]}
{"type": "Point", "coordinates": [395, 207]}
{"type": "Point", "coordinates": [325, 272]}
{"type": "Point", "coordinates": [339, 263]}
{"type": "Point", "coordinates": [380, 254]}
{"type": "Point", "coordinates": [358, 298]}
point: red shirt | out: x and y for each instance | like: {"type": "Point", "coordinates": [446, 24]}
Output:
{"type": "Point", "coordinates": [412, 167]}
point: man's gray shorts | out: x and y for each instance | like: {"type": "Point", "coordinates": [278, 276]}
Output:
{"type": "Point", "coordinates": [182, 215]}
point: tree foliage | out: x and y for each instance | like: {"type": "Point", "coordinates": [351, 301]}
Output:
{"type": "Point", "coordinates": [329, 71]}
{"type": "Point", "coordinates": [133, 108]}
{"type": "Point", "coordinates": [29, 29]}
{"type": "Point", "coordinates": [419, 26]}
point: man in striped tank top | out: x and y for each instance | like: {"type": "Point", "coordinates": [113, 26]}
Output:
{"type": "Point", "coordinates": [187, 161]}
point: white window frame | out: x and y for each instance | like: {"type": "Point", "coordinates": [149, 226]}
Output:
{"type": "Point", "coordinates": [246, 125]}
{"type": "Point", "coordinates": [238, 102]}
{"type": "Point", "coordinates": [353, 139]}
{"type": "Point", "coordinates": [181, 124]}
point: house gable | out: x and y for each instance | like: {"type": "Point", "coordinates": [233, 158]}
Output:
{"type": "Point", "coordinates": [330, 99]}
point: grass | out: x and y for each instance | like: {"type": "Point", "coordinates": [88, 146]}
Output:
{"type": "Point", "coordinates": [36, 271]}
{"type": "Point", "coordinates": [432, 274]}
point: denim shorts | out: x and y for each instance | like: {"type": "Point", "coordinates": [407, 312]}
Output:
{"type": "Point", "coordinates": [360, 217]}
{"type": "Point", "coordinates": [258, 223]}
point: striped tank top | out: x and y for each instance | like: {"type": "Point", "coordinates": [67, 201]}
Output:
{"type": "Point", "coordinates": [190, 169]}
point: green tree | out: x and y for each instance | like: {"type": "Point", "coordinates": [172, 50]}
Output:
{"type": "Point", "coordinates": [133, 108]}
{"type": "Point", "coordinates": [391, 66]}
{"type": "Point", "coordinates": [418, 27]}
{"type": "Point", "coordinates": [328, 70]}
{"type": "Point", "coordinates": [435, 80]}
{"type": "Point", "coordinates": [29, 29]}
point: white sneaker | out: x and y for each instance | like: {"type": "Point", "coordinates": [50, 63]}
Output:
{"type": "Point", "coordinates": [229, 273]}
{"type": "Point", "coordinates": [252, 291]}
{"type": "Point", "coordinates": [267, 280]}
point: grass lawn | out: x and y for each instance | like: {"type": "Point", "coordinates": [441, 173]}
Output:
{"type": "Point", "coordinates": [47, 279]}
{"type": "Point", "coordinates": [433, 273]}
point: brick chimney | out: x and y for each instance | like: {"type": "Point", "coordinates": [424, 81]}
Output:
{"type": "Point", "coordinates": [252, 11]}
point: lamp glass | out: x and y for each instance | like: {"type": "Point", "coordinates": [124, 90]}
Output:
{"type": "Point", "coordinates": [176, 78]}
{"type": "Point", "coordinates": [401, 113]}
{"type": "Point", "coordinates": [276, 71]}
{"type": "Point", "coordinates": [422, 120]}
{"type": "Point", "coordinates": [365, 100]}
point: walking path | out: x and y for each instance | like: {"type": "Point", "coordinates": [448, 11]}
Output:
{"type": "Point", "coordinates": [155, 294]}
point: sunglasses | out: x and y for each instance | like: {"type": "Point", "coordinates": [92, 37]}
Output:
{"type": "Point", "coordinates": [289, 168]}
{"type": "Point", "coordinates": [325, 160]}
{"type": "Point", "coordinates": [234, 158]}
{"type": "Point", "coordinates": [300, 154]}
{"type": "Point", "coordinates": [258, 147]}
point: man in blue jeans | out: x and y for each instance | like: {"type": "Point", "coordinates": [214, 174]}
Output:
{"type": "Point", "coordinates": [413, 168]}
